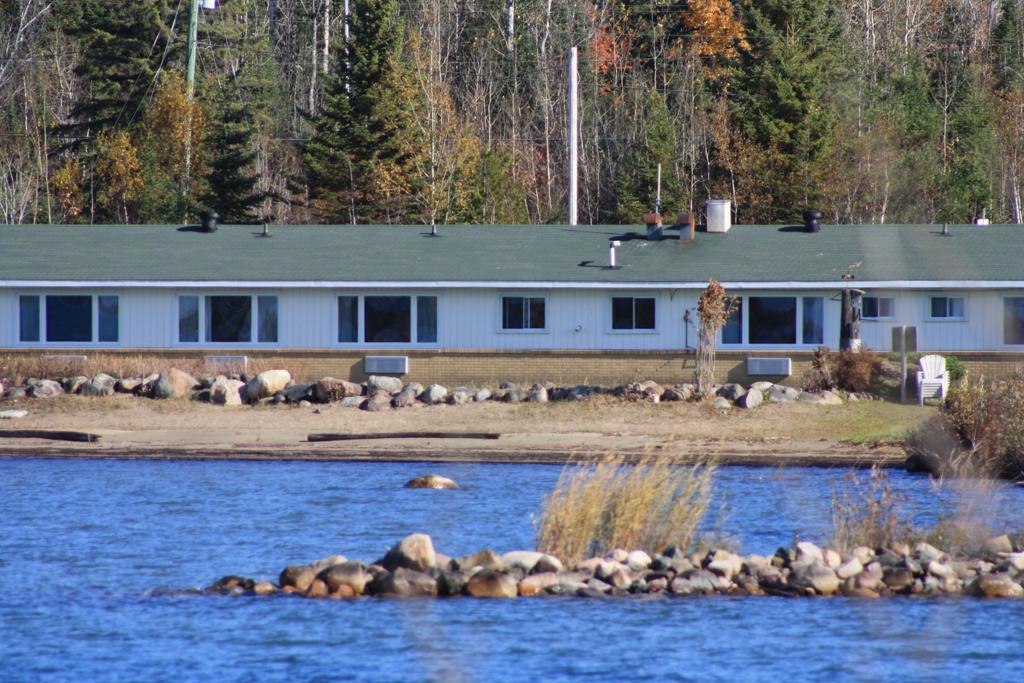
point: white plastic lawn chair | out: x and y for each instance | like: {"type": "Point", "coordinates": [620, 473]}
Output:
{"type": "Point", "coordinates": [932, 378]}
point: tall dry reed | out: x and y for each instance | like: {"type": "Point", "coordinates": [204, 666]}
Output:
{"type": "Point", "coordinates": [611, 503]}
{"type": "Point", "coordinates": [871, 513]}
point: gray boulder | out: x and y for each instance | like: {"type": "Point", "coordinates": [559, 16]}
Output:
{"type": "Point", "coordinates": [752, 399]}
{"type": "Point", "coordinates": [482, 395]}
{"type": "Point", "coordinates": [72, 385]}
{"type": "Point", "coordinates": [266, 384]}
{"type": "Point", "coordinates": [328, 389]}
{"type": "Point", "coordinates": [128, 385]}
{"type": "Point", "coordinates": [731, 391]}
{"type": "Point", "coordinates": [762, 386]}
{"type": "Point", "coordinates": [782, 394]}
{"type": "Point", "coordinates": [580, 392]}
{"type": "Point", "coordinates": [14, 393]}
{"type": "Point", "coordinates": [405, 398]}
{"type": "Point", "coordinates": [721, 403]}
{"type": "Point", "coordinates": [298, 392]}
{"type": "Point", "coordinates": [227, 392]}
{"type": "Point", "coordinates": [351, 402]}
{"type": "Point", "coordinates": [682, 392]}
{"type": "Point", "coordinates": [378, 401]}
{"type": "Point", "coordinates": [100, 385]}
{"type": "Point", "coordinates": [376, 383]}
{"type": "Point", "coordinates": [174, 383]}
{"type": "Point", "coordinates": [434, 394]}
{"type": "Point", "coordinates": [998, 544]}
{"type": "Point", "coordinates": [512, 393]}
{"type": "Point", "coordinates": [45, 388]}
{"type": "Point", "coordinates": [538, 394]}
{"type": "Point", "coordinates": [460, 396]}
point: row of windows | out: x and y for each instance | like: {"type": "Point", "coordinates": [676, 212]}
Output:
{"type": "Point", "coordinates": [242, 319]}
{"type": "Point", "coordinates": [939, 308]}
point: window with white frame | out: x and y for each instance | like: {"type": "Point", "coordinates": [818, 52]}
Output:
{"type": "Point", "coordinates": [523, 313]}
{"type": "Point", "coordinates": [68, 318]}
{"type": "Point", "coordinates": [1013, 320]}
{"type": "Point", "coordinates": [387, 319]}
{"type": "Point", "coordinates": [946, 308]}
{"type": "Point", "coordinates": [776, 320]}
{"type": "Point", "coordinates": [632, 313]}
{"type": "Point", "coordinates": [878, 307]}
{"type": "Point", "coordinates": [228, 318]}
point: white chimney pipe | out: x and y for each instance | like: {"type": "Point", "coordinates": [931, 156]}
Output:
{"type": "Point", "coordinates": [611, 253]}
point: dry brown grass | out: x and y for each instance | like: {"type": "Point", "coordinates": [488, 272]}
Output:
{"type": "Point", "coordinates": [611, 503]}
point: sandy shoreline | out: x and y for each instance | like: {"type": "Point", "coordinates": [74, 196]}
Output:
{"type": "Point", "coordinates": [774, 435]}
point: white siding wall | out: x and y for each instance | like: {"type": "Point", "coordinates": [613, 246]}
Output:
{"type": "Point", "coordinates": [576, 319]}
{"type": "Point", "coordinates": [981, 329]}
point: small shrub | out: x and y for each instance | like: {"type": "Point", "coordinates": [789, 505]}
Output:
{"type": "Point", "coordinates": [985, 420]}
{"type": "Point", "coordinates": [599, 506]}
{"type": "Point", "coordinates": [819, 376]}
{"type": "Point", "coordinates": [857, 370]}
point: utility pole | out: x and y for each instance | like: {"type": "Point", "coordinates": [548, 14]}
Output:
{"type": "Point", "coordinates": [193, 33]}
{"type": "Point", "coordinates": [190, 90]}
{"type": "Point", "coordinates": [573, 133]}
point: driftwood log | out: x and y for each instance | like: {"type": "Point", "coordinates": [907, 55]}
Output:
{"type": "Point", "coordinates": [403, 435]}
{"type": "Point", "coordinates": [53, 435]}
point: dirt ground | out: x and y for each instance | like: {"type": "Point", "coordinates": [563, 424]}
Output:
{"type": "Point", "coordinates": [856, 434]}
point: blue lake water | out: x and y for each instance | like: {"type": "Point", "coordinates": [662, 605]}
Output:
{"type": "Point", "coordinates": [84, 542]}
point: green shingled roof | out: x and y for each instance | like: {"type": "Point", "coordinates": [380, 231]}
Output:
{"type": "Point", "coordinates": [505, 253]}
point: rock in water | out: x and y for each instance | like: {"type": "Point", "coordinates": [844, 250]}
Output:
{"type": "Point", "coordinates": [817, 576]}
{"type": "Point", "coordinates": [404, 582]}
{"type": "Point", "coordinates": [431, 481]}
{"type": "Point", "coordinates": [300, 577]}
{"type": "Point", "coordinates": [491, 584]}
{"type": "Point", "coordinates": [351, 574]}
{"type": "Point", "coordinates": [415, 551]}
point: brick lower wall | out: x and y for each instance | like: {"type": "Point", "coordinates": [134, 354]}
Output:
{"type": "Point", "coordinates": [490, 367]}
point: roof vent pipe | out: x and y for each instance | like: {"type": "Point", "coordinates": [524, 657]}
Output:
{"type": "Point", "coordinates": [611, 252]}
{"type": "Point", "coordinates": [687, 223]}
{"type": "Point", "coordinates": [653, 221]}
{"type": "Point", "coordinates": [812, 220]}
{"type": "Point", "coordinates": [209, 220]}
{"type": "Point", "coordinates": [982, 220]}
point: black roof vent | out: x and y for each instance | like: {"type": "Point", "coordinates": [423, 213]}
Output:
{"type": "Point", "coordinates": [208, 220]}
{"type": "Point", "coordinates": [812, 220]}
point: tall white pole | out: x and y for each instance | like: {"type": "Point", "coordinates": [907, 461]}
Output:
{"type": "Point", "coordinates": [573, 134]}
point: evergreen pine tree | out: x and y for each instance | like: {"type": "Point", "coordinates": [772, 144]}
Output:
{"type": "Point", "coordinates": [238, 90]}
{"type": "Point", "coordinates": [364, 143]}
{"type": "Point", "coordinates": [637, 182]}
{"type": "Point", "coordinates": [783, 91]}
{"type": "Point", "coordinates": [121, 50]}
